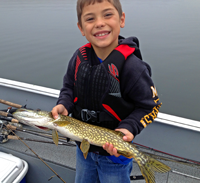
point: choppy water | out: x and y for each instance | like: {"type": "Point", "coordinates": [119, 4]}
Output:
{"type": "Point", "coordinates": [37, 39]}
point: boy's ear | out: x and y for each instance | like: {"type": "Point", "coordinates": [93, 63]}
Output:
{"type": "Point", "coordinates": [122, 20]}
{"type": "Point", "coordinates": [80, 28]}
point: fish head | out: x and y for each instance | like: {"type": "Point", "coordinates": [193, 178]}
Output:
{"type": "Point", "coordinates": [38, 119]}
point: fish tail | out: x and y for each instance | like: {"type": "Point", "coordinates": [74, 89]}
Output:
{"type": "Point", "coordinates": [148, 166]}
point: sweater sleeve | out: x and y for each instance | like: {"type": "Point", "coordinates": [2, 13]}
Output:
{"type": "Point", "coordinates": [66, 93]}
{"type": "Point", "coordinates": [137, 87]}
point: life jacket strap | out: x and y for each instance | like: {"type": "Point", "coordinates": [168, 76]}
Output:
{"type": "Point", "coordinates": [87, 115]}
{"type": "Point", "coordinates": [99, 118]}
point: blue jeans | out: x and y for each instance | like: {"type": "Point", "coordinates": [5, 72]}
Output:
{"type": "Point", "coordinates": [100, 169]}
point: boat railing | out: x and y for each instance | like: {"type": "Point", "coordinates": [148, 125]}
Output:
{"type": "Point", "coordinates": [162, 117]}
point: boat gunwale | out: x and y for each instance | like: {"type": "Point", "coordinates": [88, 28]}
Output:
{"type": "Point", "coordinates": [161, 118]}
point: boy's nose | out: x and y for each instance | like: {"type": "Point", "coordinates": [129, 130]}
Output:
{"type": "Point", "coordinates": [100, 23]}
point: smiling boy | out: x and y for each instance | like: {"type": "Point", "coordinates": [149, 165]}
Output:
{"type": "Point", "coordinates": [100, 23]}
{"type": "Point", "coordinates": [107, 84]}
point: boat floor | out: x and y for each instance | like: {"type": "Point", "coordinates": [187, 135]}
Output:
{"type": "Point", "coordinates": [62, 158]}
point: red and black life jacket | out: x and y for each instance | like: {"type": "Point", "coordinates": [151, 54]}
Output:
{"type": "Point", "coordinates": [97, 94]}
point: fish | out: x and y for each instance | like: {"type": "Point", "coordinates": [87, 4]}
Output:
{"type": "Point", "coordinates": [89, 134]}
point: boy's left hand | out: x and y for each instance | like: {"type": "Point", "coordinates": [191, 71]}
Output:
{"type": "Point", "coordinates": [128, 136]}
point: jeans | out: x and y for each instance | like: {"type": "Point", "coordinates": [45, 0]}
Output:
{"type": "Point", "coordinates": [100, 169]}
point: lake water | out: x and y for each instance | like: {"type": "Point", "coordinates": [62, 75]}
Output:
{"type": "Point", "coordinates": [38, 37]}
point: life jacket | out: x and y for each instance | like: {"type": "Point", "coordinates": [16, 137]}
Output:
{"type": "Point", "coordinates": [97, 94]}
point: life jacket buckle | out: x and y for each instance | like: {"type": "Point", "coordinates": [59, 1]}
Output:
{"type": "Point", "coordinates": [87, 115]}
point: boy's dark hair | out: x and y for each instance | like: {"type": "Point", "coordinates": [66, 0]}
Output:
{"type": "Point", "coordinates": [82, 3]}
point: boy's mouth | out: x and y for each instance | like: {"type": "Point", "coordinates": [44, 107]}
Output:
{"type": "Point", "coordinates": [100, 34]}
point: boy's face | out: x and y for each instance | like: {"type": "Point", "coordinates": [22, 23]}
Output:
{"type": "Point", "coordinates": [101, 25]}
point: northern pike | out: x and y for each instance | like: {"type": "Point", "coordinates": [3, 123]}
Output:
{"type": "Point", "coordinates": [90, 134]}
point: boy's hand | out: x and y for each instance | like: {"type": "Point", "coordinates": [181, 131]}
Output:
{"type": "Point", "coordinates": [59, 109]}
{"type": "Point", "coordinates": [127, 137]}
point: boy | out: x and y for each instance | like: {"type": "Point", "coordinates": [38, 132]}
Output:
{"type": "Point", "coordinates": [107, 84]}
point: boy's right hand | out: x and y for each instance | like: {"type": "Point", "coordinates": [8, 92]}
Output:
{"type": "Point", "coordinates": [59, 109]}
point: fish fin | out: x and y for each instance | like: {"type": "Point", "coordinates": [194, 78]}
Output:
{"type": "Point", "coordinates": [150, 167]}
{"type": "Point", "coordinates": [55, 136]}
{"type": "Point", "coordinates": [85, 146]}
{"type": "Point", "coordinates": [85, 155]}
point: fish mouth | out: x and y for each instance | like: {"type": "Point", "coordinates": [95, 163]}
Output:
{"type": "Point", "coordinates": [24, 115]}
{"type": "Point", "coordinates": [41, 127]}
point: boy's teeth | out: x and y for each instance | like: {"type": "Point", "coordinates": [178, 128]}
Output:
{"type": "Point", "coordinates": [103, 34]}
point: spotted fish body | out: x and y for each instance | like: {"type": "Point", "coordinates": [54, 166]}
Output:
{"type": "Point", "coordinates": [89, 134]}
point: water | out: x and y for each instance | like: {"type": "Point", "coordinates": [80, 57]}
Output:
{"type": "Point", "coordinates": [37, 39]}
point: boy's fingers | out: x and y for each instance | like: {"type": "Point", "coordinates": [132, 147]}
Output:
{"type": "Point", "coordinates": [55, 116]}
{"type": "Point", "coordinates": [105, 146]}
{"type": "Point", "coordinates": [115, 152]}
{"type": "Point", "coordinates": [65, 113]}
{"type": "Point", "coordinates": [128, 135]}
{"type": "Point", "coordinates": [58, 110]}
{"type": "Point", "coordinates": [110, 149]}
{"type": "Point", "coordinates": [127, 138]}
{"type": "Point", "coordinates": [54, 113]}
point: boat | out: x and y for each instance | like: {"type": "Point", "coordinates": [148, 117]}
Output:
{"type": "Point", "coordinates": [171, 139]}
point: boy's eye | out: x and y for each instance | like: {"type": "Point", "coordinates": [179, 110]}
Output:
{"type": "Point", "coordinates": [108, 14]}
{"type": "Point", "coordinates": [89, 19]}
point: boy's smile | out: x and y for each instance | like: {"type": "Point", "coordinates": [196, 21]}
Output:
{"type": "Point", "coordinates": [101, 26]}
